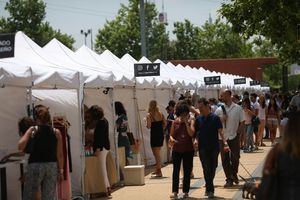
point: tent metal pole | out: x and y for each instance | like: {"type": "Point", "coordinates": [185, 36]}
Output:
{"type": "Point", "coordinates": [155, 93]}
{"type": "Point", "coordinates": [112, 100]}
{"type": "Point", "coordinates": [138, 121]}
{"type": "Point", "coordinates": [136, 112]}
{"type": "Point", "coordinates": [80, 99]}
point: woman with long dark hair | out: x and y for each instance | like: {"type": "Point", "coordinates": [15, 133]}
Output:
{"type": "Point", "coordinates": [181, 140]}
{"type": "Point", "coordinates": [45, 164]}
{"type": "Point", "coordinates": [281, 173]}
{"type": "Point", "coordinates": [248, 114]}
{"type": "Point", "coordinates": [101, 144]}
{"type": "Point", "coordinates": [273, 118]}
{"type": "Point", "coordinates": [122, 128]}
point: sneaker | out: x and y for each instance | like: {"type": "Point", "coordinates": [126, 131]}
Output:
{"type": "Point", "coordinates": [185, 195]}
{"type": "Point", "coordinates": [174, 195]}
{"type": "Point", "coordinates": [210, 195]}
{"type": "Point", "coordinates": [247, 151]}
{"type": "Point", "coordinates": [228, 184]}
{"type": "Point", "coordinates": [255, 148]}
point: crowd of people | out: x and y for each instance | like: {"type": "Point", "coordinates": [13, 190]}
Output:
{"type": "Point", "coordinates": [207, 126]}
{"type": "Point", "coordinates": [226, 127]}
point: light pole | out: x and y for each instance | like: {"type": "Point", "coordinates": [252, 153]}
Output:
{"type": "Point", "coordinates": [143, 32]}
{"type": "Point", "coordinates": [86, 33]}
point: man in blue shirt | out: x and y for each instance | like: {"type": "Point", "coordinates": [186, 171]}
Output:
{"type": "Point", "coordinates": [208, 128]}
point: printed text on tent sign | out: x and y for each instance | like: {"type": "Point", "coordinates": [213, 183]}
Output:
{"type": "Point", "coordinates": [146, 69]}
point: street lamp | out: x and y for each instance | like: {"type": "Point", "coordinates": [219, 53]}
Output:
{"type": "Point", "coordinates": [86, 33]}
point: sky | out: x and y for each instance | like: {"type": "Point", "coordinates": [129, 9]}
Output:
{"type": "Point", "coordinates": [72, 16]}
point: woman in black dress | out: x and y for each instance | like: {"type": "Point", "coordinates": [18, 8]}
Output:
{"type": "Point", "coordinates": [156, 123]}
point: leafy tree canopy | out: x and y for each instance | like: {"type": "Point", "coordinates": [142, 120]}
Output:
{"type": "Point", "coordinates": [122, 35]}
{"type": "Point", "coordinates": [276, 20]}
{"type": "Point", "coordinates": [212, 40]}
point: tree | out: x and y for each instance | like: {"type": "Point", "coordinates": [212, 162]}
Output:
{"type": "Point", "coordinates": [28, 16]}
{"type": "Point", "coordinates": [272, 73]}
{"type": "Point", "coordinates": [219, 41]}
{"type": "Point", "coordinates": [187, 41]}
{"type": "Point", "coordinates": [212, 40]}
{"type": "Point", "coordinates": [276, 20]}
{"type": "Point", "coordinates": [122, 35]}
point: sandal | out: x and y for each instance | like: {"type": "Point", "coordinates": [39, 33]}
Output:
{"type": "Point", "coordinates": [158, 173]}
{"type": "Point", "coordinates": [174, 195]}
{"type": "Point", "coordinates": [108, 192]}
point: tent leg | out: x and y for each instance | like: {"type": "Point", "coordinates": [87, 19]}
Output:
{"type": "Point", "coordinates": [139, 125]}
{"type": "Point", "coordinates": [80, 98]}
{"type": "Point", "coordinates": [112, 100]}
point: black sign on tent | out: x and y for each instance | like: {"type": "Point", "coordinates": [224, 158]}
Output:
{"type": "Point", "coordinates": [212, 80]}
{"type": "Point", "coordinates": [7, 45]}
{"type": "Point", "coordinates": [146, 69]}
{"type": "Point", "coordinates": [253, 83]}
{"type": "Point", "coordinates": [264, 84]}
{"type": "Point", "coordinates": [238, 81]}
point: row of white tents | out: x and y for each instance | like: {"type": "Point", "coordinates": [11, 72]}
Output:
{"type": "Point", "coordinates": [65, 80]}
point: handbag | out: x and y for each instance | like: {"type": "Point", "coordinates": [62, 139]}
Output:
{"type": "Point", "coordinates": [130, 136]}
{"type": "Point", "coordinates": [31, 142]}
{"type": "Point", "coordinates": [255, 121]}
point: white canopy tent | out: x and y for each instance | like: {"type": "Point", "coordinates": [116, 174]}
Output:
{"type": "Point", "coordinates": [85, 75]}
{"type": "Point", "coordinates": [57, 77]}
{"type": "Point", "coordinates": [17, 80]}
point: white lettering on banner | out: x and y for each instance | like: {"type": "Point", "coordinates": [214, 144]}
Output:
{"type": "Point", "coordinates": [4, 43]}
{"type": "Point", "coordinates": [5, 49]}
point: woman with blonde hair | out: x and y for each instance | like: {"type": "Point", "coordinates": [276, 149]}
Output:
{"type": "Point", "coordinates": [156, 123]}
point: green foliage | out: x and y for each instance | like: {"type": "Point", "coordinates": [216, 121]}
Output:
{"type": "Point", "coordinates": [276, 20]}
{"type": "Point", "coordinates": [122, 35]}
{"type": "Point", "coordinates": [28, 16]}
{"type": "Point", "coordinates": [212, 40]}
{"type": "Point", "coordinates": [219, 41]}
{"type": "Point", "coordinates": [187, 41]}
{"type": "Point", "coordinates": [272, 73]}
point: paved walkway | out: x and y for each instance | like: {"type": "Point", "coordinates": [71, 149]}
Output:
{"type": "Point", "coordinates": [160, 188]}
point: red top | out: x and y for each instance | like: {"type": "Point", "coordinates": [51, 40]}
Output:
{"type": "Point", "coordinates": [183, 142]}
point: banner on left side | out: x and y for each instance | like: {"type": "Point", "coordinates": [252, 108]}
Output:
{"type": "Point", "coordinates": [7, 45]}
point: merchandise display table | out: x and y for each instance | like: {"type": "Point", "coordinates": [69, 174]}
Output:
{"type": "Point", "coordinates": [3, 181]}
{"type": "Point", "coordinates": [93, 178]}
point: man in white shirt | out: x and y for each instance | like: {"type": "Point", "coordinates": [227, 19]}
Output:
{"type": "Point", "coordinates": [255, 105]}
{"type": "Point", "coordinates": [232, 117]}
{"type": "Point", "coordinates": [295, 102]}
